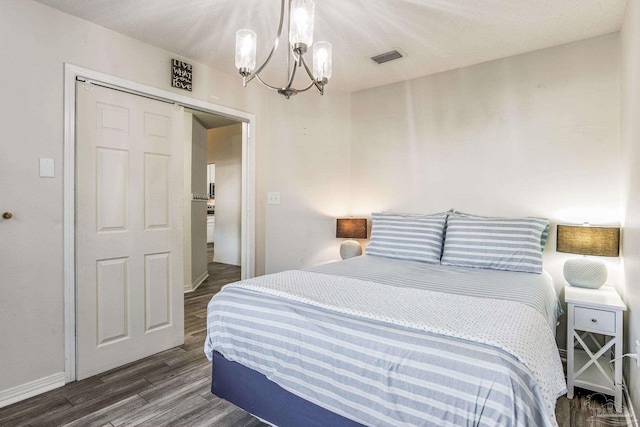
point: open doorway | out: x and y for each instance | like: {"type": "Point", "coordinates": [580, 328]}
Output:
{"type": "Point", "coordinates": [213, 189]}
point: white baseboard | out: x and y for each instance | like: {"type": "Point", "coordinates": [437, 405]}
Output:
{"type": "Point", "coordinates": [30, 389]}
{"type": "Point", "coordinates": [196, 283]}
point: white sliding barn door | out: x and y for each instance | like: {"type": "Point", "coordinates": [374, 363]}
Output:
{"type": "Point", "coordinates": [129, 272]}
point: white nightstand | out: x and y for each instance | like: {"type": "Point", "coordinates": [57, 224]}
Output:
{"type": "Point", "coordinates": [599, 312]}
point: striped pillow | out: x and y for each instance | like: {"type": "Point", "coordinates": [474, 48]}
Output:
{"type": "Point", "coordinates": [496, 243]}
{"type": "Point", "coordinates": [543, 237]}
{"type": "Point", "coordinates": [413, 237]}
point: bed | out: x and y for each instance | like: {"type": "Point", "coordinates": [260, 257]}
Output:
{"type": "Point", "coordinates": [382, 341]}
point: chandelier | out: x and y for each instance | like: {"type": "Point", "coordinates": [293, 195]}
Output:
{"type": "Point", "coordinates": [300, 20]}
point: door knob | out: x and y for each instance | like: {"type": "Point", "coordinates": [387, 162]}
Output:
{"type": "Point", "coordinates": [7, 215]}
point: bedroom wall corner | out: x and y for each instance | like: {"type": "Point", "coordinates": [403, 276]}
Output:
{"type": "Point", "coordinates": [630, 142]}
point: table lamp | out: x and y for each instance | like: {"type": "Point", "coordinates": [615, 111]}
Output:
{"type": "Point", "coordinates": [586, 240]}
{"type": "Point", "coordinates": [351, 228]}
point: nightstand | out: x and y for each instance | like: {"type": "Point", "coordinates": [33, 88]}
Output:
{"type": "Point", "coordinates": [594, 338]}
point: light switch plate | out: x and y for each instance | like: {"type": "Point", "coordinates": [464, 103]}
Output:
{"type": "Point", "coordinates": [273, 198]}
{"type": "Point", "coordinates": [47, 168]}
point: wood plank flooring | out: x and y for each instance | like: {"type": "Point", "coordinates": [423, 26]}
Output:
{"type": "Point", "coordinates": [172, 388]}
{"type": "Point", "coordinates": [169, 388]}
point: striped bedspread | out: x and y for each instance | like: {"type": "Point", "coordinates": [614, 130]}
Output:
{"type": "Point", "coordinates": [391, 355]}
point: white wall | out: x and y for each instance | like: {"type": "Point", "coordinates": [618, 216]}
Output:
{"type": "Point", "coordinates": [630, 138]}
{"type": "Point", "coordinates": [199, 151]}
{"type": "Point", "coordinates": [38, 41]}
{"type": "Point", "coordinates": [308, 163]}
{"type": "Point", "coordinates": [198, 207]}
{"type": "Point", "coordinates": [225, 150]}
{"type": "Point", "coordinates": [534, 134]}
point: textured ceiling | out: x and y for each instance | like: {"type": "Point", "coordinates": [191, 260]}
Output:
{"type": "Point", "coordinates": [436, 35]}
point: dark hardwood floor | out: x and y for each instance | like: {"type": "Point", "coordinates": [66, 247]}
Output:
{"type": "Point", "coordinates": [169, 388]}
{"type": "Point", "coordinates": [172, 388]}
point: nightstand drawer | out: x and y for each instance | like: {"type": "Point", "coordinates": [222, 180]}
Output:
{"type": "Point", "coordinates": [589, 319]}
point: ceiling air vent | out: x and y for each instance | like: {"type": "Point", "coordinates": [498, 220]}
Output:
{"type": "Point", "coordinates": [386, 57]}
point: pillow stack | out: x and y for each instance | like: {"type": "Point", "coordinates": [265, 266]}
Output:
{"type": "Point", "coordinates": [513, 244]}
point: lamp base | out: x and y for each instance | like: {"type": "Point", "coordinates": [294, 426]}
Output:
{"type": "Point", "coordinates": [349, 249]}
{"type": "Point", "coordinates": [585, 273]}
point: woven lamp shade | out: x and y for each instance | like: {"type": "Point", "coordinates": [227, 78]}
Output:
{"type": "Point", "coordinates": [585, 240]}
{"type": "Point", "coordinates": [351, 228]}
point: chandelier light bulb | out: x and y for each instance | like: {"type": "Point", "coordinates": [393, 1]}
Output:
{"type": "Point", "coordinates": [245, 50]}
{"type": "Point", "coordinates": [322, 63]}
{"type": "Point", "coordinates": [301, 25]}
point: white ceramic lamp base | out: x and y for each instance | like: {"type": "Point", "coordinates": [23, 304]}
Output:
{"type": "Point", "coordinates": [349, 249]}
{"type": "Point", "coordinates": [585, 273]}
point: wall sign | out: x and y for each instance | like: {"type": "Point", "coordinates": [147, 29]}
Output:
{"type": "Point", "coordinates": [181, 74]}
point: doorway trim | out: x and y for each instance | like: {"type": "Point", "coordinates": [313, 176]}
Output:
{"type": "Point", "coordinates": [72, 73]}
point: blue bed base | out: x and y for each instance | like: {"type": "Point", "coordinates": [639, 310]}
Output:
{"type": "Point", "coordinates": [263, 398]}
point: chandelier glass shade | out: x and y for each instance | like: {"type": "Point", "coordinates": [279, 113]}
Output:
{"type": "Point", "coordinates": [300, 21]}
